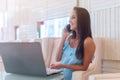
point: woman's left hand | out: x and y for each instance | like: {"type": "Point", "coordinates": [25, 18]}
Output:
{"type": "Point", "coordinates": [56, 65]}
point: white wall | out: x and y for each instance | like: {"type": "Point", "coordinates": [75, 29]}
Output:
{"type": "Point", "coordinates": [104, 16]}
{"type": "Point", "coordinates": [26, 14]}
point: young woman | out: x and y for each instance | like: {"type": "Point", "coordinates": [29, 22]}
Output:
{"type": "Point", "coordinates": [78, 49]}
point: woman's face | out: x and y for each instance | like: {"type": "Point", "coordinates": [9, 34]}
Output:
{"type": "Point", "coordinates": [73, 21]}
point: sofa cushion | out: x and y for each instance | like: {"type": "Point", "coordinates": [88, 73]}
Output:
{"type": "Point", "coordinates": [55, 49]}
{"type": "Point", "coordinates": [47, 48]}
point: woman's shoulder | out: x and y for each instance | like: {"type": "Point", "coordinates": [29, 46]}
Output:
{"type": "Point", "coordinates": [89, 42]}
{"type": "Point", "coordinates": [89, 45]}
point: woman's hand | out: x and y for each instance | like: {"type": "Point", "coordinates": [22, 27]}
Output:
{"type": "Point", "coordinates": [65, 33]}
{"type": "Point", "coordinates": [56, 65]}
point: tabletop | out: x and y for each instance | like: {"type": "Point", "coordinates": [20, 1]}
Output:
{"type": "Point", "coordinates": [10, 76]}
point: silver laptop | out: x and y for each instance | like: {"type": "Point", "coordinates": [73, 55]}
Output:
{"type": "Point", "coordinates": [24, 58]}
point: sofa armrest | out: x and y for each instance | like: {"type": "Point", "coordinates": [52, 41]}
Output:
{"type": "Point", "coordinates": [107, 76]}
{"type": "Point", "coordinates": [83, 75]}
{"type": "Point", "coordinates": [77, 75]}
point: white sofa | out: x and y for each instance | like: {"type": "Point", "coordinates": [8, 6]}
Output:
{"type": "Point", "coordinates": [50, 46]}
{"type": "Point", "coordinates": [110, 62]}
{"type": "Point", "coordinates": [107, 76]}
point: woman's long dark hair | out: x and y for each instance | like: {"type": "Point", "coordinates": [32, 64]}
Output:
{"type": "Point", "coordinates": [83, 29]}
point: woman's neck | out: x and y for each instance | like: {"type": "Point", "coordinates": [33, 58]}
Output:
{"type": "Point", "coordinates": [77, 35]}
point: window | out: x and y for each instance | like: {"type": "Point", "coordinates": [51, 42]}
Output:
{"type": "Point", "coordinates": [54, 27]}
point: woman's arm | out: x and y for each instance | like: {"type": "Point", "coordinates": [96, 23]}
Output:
{"type": "Point", "coordinates": [59, 54]}
{"type": "Point", "coordinates": [65, 34]}
{"type": "Point", "coordinates": [58, 65]}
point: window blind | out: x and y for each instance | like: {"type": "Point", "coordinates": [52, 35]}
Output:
{"type": "Point", "coordinates": [56, 9]}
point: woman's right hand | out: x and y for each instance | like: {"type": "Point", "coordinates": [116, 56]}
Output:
{"type": "Point", "coordinates": [56, 65]}
{"type": "Point", "coordinates": [65, 33]}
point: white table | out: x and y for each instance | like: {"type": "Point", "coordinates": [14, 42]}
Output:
{"type": "Point", "coordinates": [9, 76]}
